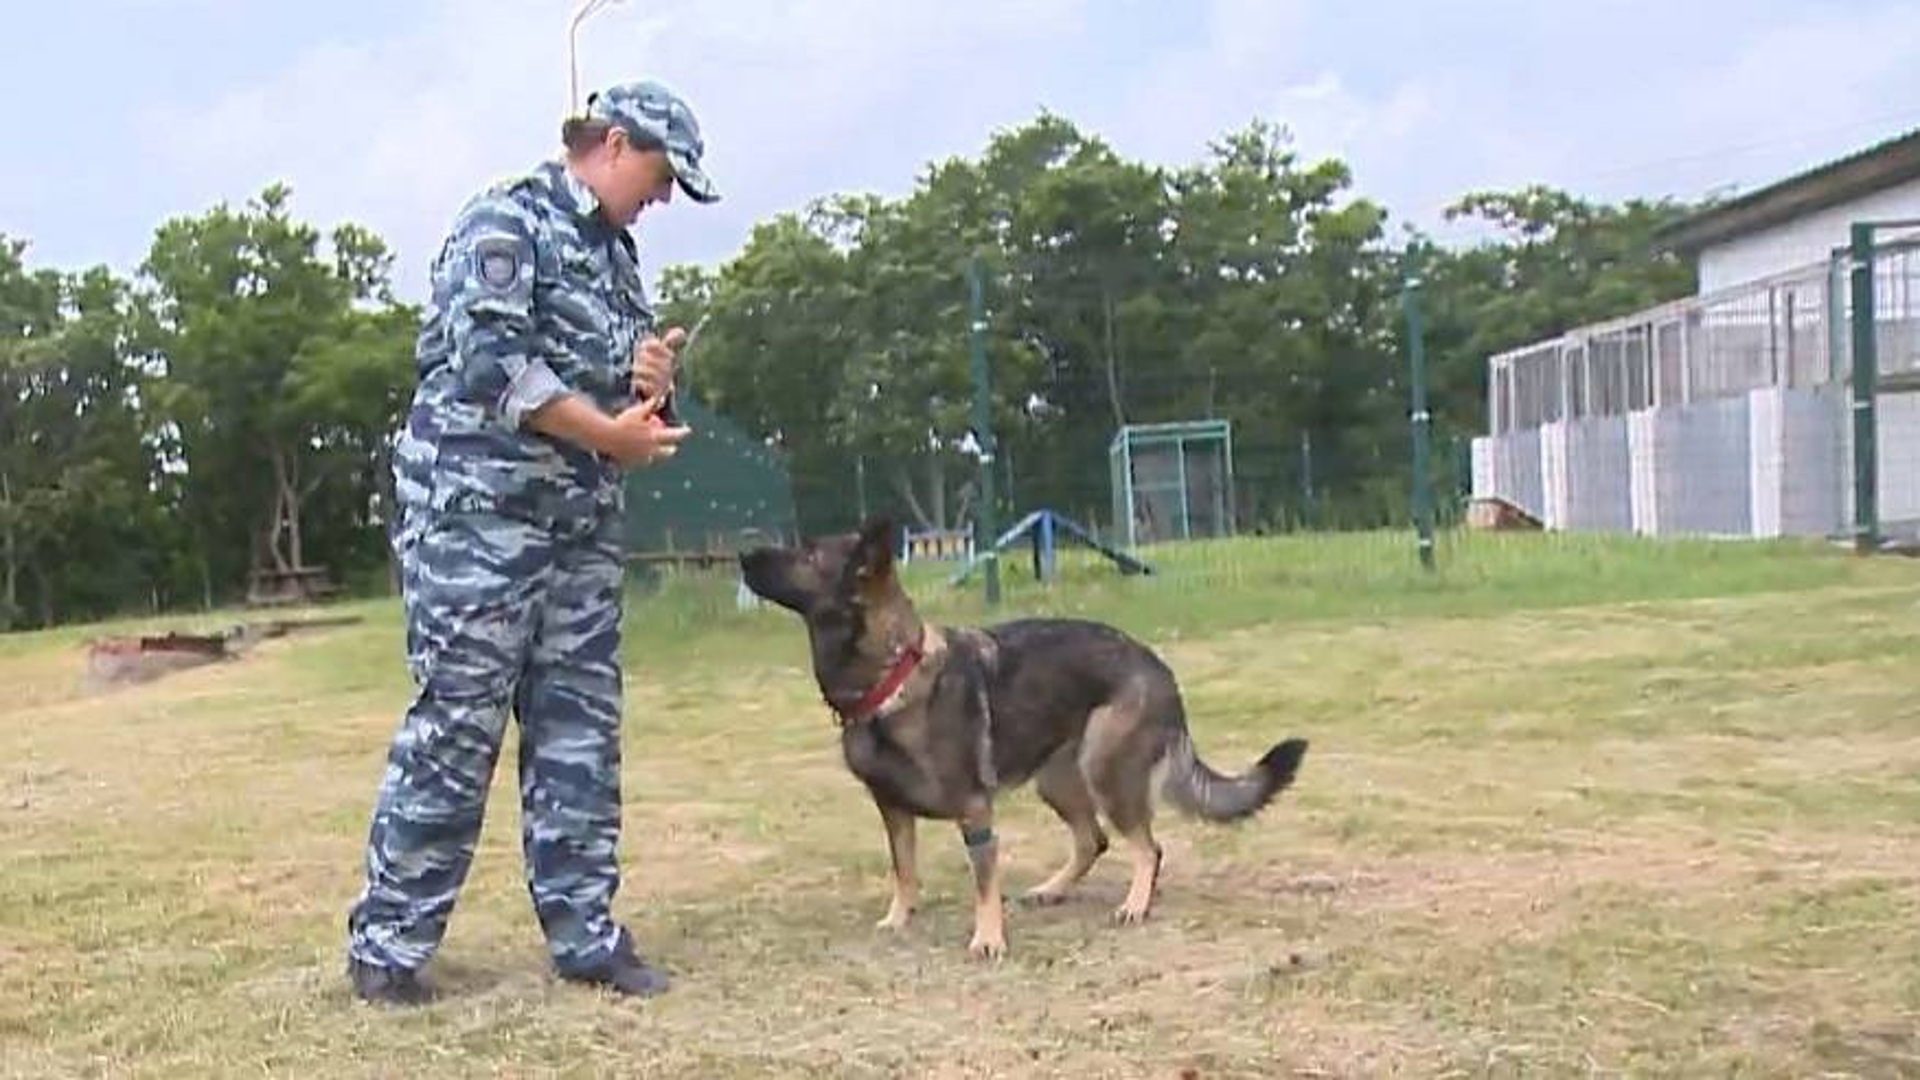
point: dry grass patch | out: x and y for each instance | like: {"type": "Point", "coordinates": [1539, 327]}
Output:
{"type": "Point", "coordinates": [1620, 839]}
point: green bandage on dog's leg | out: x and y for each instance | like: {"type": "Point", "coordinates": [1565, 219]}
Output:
{"type": "Point", "coordinates": [981, 851]}
{"type": "Point", "coordinates": [983, 857]}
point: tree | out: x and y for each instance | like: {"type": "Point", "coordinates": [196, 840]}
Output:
{"type": "Point", "coordinates": [775, 340]}
{"type": "Point", "coordinates": [232, 408]}
{"type": "Point", "coordinates": [29, 315]}
{"type": "Point", "coordinates": [274, 352]}
{"type": "Point", "coordinates": [1275, 313]}
{"type": "Point", "coordinates": [905, 395]}
{"type": "Point", "coordinates": [78, 507]}
{"type": "Point", "coordinates": [1116, 291]}
{"type": "Point", "coordinates": [1556, 262]}
{"type": "Point", "coordinates": [352, 384]}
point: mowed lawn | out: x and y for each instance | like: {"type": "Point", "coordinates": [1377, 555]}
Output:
{"type": "Point", "coordinates": [1573, 807]}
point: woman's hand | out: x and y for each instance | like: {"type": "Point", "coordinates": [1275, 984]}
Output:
{"type": "Point", "coordinates": [635, 437]}
{"type": "Point", "coordinates": [653, 363]}
{"type": "Point", "coordinates": [639, 437]}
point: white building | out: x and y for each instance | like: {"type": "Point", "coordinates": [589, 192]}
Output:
{"type": "Point", "coordinates": [1728, 413]}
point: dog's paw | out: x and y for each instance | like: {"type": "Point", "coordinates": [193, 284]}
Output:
{"type": "Point", "coordinates": [1130, 914]}
{"type": "Point", "coordinates": [1038, 897]}
{"type": "Point", "coordinates": [985, 947]}
{"type": "Point", "coordinates": [895, 921]}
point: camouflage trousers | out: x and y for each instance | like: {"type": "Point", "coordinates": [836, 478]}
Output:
{"type": "Point", "coordinates": [502, 615]}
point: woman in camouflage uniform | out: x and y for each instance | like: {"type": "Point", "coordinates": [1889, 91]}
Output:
{"type": "Point", "coordinates": [540, 382]}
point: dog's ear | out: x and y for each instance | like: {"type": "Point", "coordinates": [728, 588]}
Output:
{"type": "Point", "coordinates": [873, 555]}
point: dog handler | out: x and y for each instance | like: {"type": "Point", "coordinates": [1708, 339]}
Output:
{"type": "Point", "coordinates": [535, 346]}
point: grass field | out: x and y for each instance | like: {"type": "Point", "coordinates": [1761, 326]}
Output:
{"type": "Point", "coordinates": [1574, 807]}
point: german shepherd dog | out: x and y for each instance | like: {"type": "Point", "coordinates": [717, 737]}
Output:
{"type": "Point", "coordinates": [936, 720]}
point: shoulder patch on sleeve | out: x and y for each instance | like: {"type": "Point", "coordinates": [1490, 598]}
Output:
{"type": "Point", "coordinates": [498, 261]}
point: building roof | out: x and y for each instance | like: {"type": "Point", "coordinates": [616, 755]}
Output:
{"type": "Point", "coordinates": [1879, 166]}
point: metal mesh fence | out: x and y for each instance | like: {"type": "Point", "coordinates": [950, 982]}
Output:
{"type": "Point", "coordinates": [1729, 414]}
{"type": "Point", "coordinates": [1172, 482]}
{"type": "Point", "coordinates": [721, 489]}
{"type": "Point", "coordinates": [1789, 331]}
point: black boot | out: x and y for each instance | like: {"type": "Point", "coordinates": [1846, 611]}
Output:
{"type": "Point", "coordinates": [623, 970]}
{"type": "Point", "coordinates": [386, 985]}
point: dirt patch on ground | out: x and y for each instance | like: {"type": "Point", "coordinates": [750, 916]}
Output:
{"type": "Point", "coordinates": [689, 848]}
{"type": "Point", "coordinates": [132, 660]}
{"type": "Point", "coordinates": [1516, 895]}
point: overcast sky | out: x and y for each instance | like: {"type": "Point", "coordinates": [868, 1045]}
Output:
{"type": "Point", "coordinates": [119, 113]}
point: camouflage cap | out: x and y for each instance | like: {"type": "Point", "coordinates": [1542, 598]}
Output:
{"type": "Point", "coordinates": [653, 115]}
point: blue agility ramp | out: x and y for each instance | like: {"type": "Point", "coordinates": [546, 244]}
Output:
{"type": "Point", "coordinates": [1043, 530]}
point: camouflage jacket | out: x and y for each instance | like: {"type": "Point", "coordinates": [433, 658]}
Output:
{"type": "Point", "coordinates": [534, 296]}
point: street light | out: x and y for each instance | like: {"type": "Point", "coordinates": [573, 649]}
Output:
{"type": "Point", "coordinates": [586, 8]}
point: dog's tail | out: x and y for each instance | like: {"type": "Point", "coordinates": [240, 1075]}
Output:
{"type": "Point", "coordinates": [1195, 788]}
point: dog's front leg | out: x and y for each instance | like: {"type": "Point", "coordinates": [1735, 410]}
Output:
{"type": "Point", "coordinates": [983, 852]}
{"type": "Point", "coordinates": [906, 878]}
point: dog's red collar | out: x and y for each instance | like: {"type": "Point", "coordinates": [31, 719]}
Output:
{"type": "Point", "coordinates": [896, 677]}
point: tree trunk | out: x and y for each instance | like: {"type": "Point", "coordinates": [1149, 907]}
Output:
{"type": "Point", "coordinates": [1113, 359]}
{"type": "Point", "coordinates": [257, 547]}
{"type": "Point", "coordinates": [46, 600]}
{"type": "Point", "coordinates": [190, 504]}
{"type": "Point", "coordinates": [10, 592]}
{"type": "Point", "coordinates": [282, 534]}
{"type": "Point", "coordinates": [937, 491]}
{"type": "Point", "coordinates": [294, 497]}
{"type": "Point", "coordinates": [963, 515]}
{"type": "Point", "coordinates": [266, 551]}
{"type": "Point", "coordinates": [904, 486]}
{"type": "Point", "coordinates": [389, 510]}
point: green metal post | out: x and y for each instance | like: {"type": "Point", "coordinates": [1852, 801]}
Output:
{"type": "Point", "coordinates": [1866, 375]}
{"type": "Point", "coordinates": [1462, 476]}
{"type": "Point", "coordinates": [1306, 479]}
{"type": "Point", "coordinates": [1186, 517]}
{"type": "Point", "coordinates": [1006, 476]}
{"type": "Point", "coordinates": [1836, 311]}
{"type": "Point", "coordinates": [985, 528]}
{"type": "Point", "coordinates": [1422, 422]}
{"type": "Point", "coordinates": [1233, 496]}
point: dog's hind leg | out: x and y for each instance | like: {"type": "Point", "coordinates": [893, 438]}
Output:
{"type": "Point", "coordinates": [906, 878]}
{"type": "Point", "coordinates": [1117, 758]}
{"type": "Point", "coordinates": [1146, 870]}
{"type": "Point", "coordinates": [1062, 787]}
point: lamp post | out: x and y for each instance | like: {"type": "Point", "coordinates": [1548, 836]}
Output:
{"type": "Point", "coordinates": [580, 15]}
{"type": "Point", "coordinates": [1421, 419]}
{"type": "Point", "coordinates": [984, 532]}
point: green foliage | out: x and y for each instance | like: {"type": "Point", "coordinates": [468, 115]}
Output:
{"type": "Point", "coordinates": [75, 500]}
{"type": "Point", "coordinates": [266, 359]}
{"type": "Point", "coordinates": [1252, 286]}
{"type": "Point", "coordinates": [230, 407]}
{"type": "Point", "coordinates": [1556, 262]}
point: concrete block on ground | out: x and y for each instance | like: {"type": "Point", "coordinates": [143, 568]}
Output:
{"type": "Point", "coordinates": [1507, 467]}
